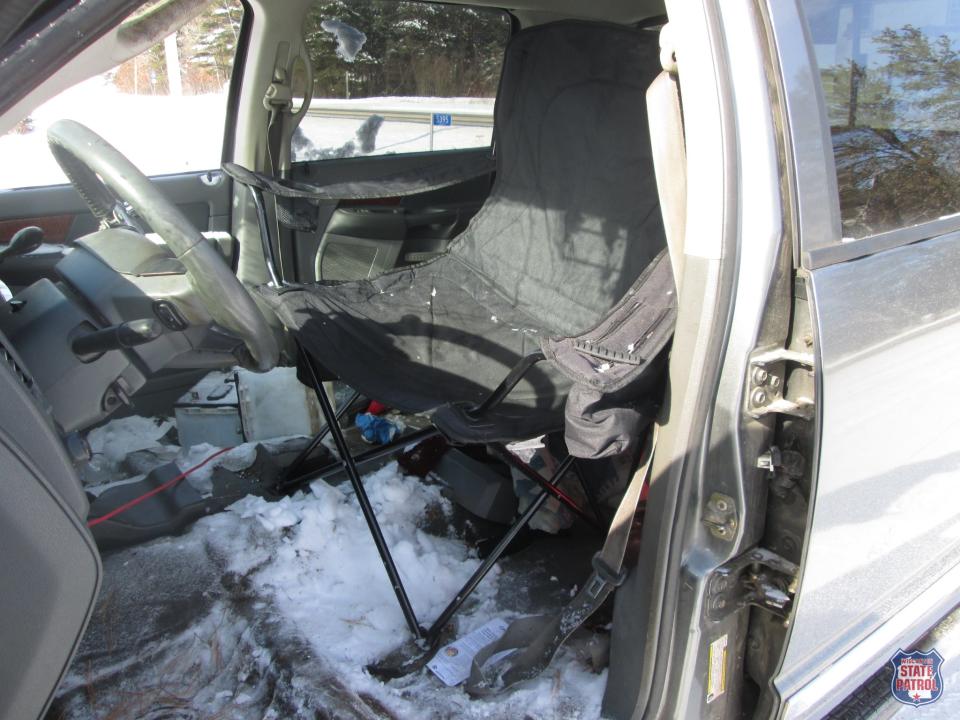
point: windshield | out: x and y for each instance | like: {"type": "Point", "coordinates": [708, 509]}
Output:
{"type": "Point", "coordinates": [163, 108]}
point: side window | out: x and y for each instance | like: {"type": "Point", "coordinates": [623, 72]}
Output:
{"type": "Point", "coordinates": [400, 77]}
{"type": "Point", "coordinates": [891, 78]}
{"type": "Point", "coordinates": [164, 109]}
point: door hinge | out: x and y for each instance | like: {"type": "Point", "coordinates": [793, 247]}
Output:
{"type": "Point", "coordinates": [758, 577]}
{"type": "Point", "coordinates": [769, 374]}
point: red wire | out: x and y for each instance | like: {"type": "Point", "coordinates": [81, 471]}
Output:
{"type": "Point", "coordinates": [168, 484]}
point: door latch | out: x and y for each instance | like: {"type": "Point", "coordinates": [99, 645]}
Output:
{"type": "Point", "coordinates": [720, 516]}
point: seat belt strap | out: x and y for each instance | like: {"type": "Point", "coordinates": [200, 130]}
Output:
{"type": "Point", "coordinates": [281, 124]}
{"type": "Point", "coordinates": [278, 100]}
{"type": "Point", "coordinates": [669, 151]}
{"type": "Point", "coordinates": [274, 139]}
{"type": "Point", "coordinates": [530, 643]}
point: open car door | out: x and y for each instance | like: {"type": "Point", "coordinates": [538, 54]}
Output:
{"type": "Point", "coordinates": [50, 569]}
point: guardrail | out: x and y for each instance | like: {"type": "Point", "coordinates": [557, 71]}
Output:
{"type": "Point", "coordinates": [471, 117]}
{"type": "Point", "coordinates": [432, 115]}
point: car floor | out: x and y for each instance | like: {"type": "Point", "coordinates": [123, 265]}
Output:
{"type": "Point", "coordinates": [273, 608]}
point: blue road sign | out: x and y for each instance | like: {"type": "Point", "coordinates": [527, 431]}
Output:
{"type": "Point", "coordinates": [442, 119]}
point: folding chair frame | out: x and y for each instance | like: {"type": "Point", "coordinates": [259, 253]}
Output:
{"type": "Point", "coordinates": [349, 463]}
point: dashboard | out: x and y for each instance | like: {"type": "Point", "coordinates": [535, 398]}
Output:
{"type": "Point", "coordinates": [118, 311]}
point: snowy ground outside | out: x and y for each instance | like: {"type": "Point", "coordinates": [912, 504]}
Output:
{"type": "Point", "coordinates": [396, 136]}
{"type": "Point", "coordinates": [160, 134]}
{"type": "Point", "coordinates": [164, 134]}
{"type": "Point", "coordinates": [272, 609]}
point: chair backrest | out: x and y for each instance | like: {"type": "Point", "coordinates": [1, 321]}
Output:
{"type": "Point", "coordinates": [573, 217]}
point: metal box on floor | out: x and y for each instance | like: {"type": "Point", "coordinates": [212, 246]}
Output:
{"type": "Point", "coordinates": [229, 408]}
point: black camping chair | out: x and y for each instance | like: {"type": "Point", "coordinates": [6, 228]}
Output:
{"type": "Point", "coordinates": [566, 261]}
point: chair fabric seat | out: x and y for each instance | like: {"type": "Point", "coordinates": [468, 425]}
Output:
{"type": "Point", "coordinates": [571, 223]}
{"type": "Point", "coordinates": [421, 337]}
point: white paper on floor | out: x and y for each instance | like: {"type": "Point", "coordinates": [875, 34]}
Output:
{"type": "Point", "coordinates": [452, 662]}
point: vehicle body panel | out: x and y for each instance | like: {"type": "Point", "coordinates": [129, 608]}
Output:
{"type": "Point", "coordinates": [883, 532]}
{"type": "Point", "coordinates": [886, 523]}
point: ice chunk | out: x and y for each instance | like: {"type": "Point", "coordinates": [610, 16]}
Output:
{"type": "Point", "coordinates": [364, 144]}
{"type": "Point", "coordinates": [349, 40]}
{"type": "Point", "coordinates": [367, 133]}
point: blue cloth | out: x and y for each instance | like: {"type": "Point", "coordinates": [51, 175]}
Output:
{"type": "Point", "coordinates": [375, 429]}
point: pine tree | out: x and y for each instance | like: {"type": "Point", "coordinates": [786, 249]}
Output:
{"type": "Point", "coordinates": [207, 45]}
{"type": "Point", "coordinates": [210, 42]}
{"type": "Point", "coordinates": [412, 49]}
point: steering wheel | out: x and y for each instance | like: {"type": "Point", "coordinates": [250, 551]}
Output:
{"type": "Point", "coordinates": [107, 181]}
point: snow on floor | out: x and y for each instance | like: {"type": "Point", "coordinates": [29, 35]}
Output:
{"type": "Point", "coordinates": [315, 560]}
{"type": "Point", "coordinates": [112, 442]}
{"type": "Point", "coordinates": [294, 598]}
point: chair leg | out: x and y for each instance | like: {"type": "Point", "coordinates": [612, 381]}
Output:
{"type": "Point", "coordinates": [501, 452]}
{"type": "Point", "coordinates": [369, 456]}
{"type": "Point", "coordinates": [289, 472]}
{"type": "Point", "coordinates": [481, 572]}
{"type": "Point", "coordinates": [366, 508]}
{"type": "Point", "coordinates": [349, 463]}
{"type": "Point", "coordinates": [591, 494]}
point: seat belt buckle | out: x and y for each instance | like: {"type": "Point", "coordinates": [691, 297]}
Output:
{"type": "Point", "coordinates": [604, 576]}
